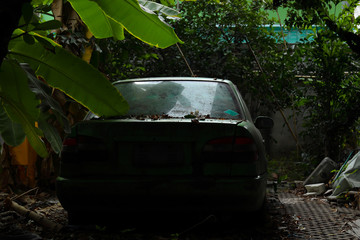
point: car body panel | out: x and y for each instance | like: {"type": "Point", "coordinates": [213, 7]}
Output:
{"type": "Point", "coordinates": [163, 194]}
{"type": "Point", "coordinates": [154, 162]}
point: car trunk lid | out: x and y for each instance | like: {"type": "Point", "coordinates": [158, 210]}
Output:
{"type": "Point", "coordinates": [199, 147]}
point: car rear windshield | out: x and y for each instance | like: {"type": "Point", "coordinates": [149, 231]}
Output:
{"type": "Point", "coordinates": [181, 98]}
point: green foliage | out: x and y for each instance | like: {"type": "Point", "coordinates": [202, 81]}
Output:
{"type": "Point", "coordinates": [101, 25]}
{"type": "Point", "coordinates": [23, 107]}
{"type": "Point", "coordinates": [123, 59]}
{"type": "Point", "coordinates": [41, 2]}
{"type": "Point", "coordinates": [289, 168]}
{"type": "Point", "coordinates": [162, 9]}
{"type": "Point", "coordinates": [215, 45]}
{"type": "Point", "coordinates": [328, 99]}
{"type": "Point", "coordinates": [142, 24]}
{"type": "Point", "coordinates": [20, 104]}
{"type": "Point", "coordinates": [11, 132]}
{"type": "Point", "coordinates": [337, 16]}
{"type": "Point", "coordinates": [43, 92]}
{"type": "Point", "coordinates": [61, 70]}
{"type": "Point", "coordinates": [175, 236]}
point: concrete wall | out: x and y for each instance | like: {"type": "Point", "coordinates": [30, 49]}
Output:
{"type": "Point", "coordinates": [284, 142]}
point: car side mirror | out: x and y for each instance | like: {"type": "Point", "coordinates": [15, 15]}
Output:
{"type": "Point", "coordinates": [263, 122]}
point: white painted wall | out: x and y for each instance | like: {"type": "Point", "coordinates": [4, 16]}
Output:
{"type": "Point", "coordinates": [285, 142]}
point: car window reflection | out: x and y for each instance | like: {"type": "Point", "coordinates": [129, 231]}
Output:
{"type": "Point", "coordinates": [180, 98]}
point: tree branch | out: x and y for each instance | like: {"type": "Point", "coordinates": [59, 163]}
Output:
{"type": "Point", "coordinates": [352, 39]}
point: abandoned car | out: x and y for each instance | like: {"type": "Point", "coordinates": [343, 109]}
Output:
{"type": "Point", "coordinates": [185, 144]}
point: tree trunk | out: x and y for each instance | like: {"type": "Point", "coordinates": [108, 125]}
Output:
{"type": "Point", "coordinates": [10, 13]}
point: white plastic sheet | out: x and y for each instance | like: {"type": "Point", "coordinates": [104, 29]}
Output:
{"type": "Point", "coordinates": [349, 178]}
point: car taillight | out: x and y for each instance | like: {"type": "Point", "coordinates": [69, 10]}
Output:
{"type": "Point", "coordinates": [81, 139]}
{"type": "Point", "coordinates": [82, 142]}
{"type": "Point", "coordinates": [232, 149]}
{"type": "Point", "coordinates": [70, 142]}
{"type": "Point", "coordinates": [83, 147]}
{"type": "Point", "coordinates": [219, 145]}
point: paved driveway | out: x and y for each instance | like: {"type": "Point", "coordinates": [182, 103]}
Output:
{"type": "Point", "coordinates": [317, 219]}
{"type": "Point", "coordinates": [287, 216]}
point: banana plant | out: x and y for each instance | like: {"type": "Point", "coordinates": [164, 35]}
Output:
{"type": "Point", "coordinates": [108, 18]}
{"type": "Point", "coordinates": [27, 105]}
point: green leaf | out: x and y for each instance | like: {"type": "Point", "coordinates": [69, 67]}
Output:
{"type": "Point", "coordinates": [100, 25]}
{"type": "Point", "coordinates": [72, 75]}
{"type": "Point", "coordinates": [45, 43]}
{"type": "Point", "coordinates": [50, 133]}
{"type": "Point", "coordinates": [118, 30]}
{"type": "Point", "coordinates": [20, 103]}
{"type": "Point", "coordinates": [28, 39]}
{"type": "Point", "coordinates": [156, 7]}
{"type": "Point", "coordinates": [27, 12]}
{"type": "Point", "coordinates": [12, 132]}
{"type": "Point", "coordinates": [48, 25]}
{"type": "Point", "coordinates": [14, 86]}
{"type": "Point", "coordinates": [44, 93]}
{"type": "Point", "coordinates": [145, 26]}
{"type": "Point", "coordinates": [109, 18]}
{"type": "Point", "coordinates": [168, 2]}
{"type": "Point", "coordinates": [41, 2]}
{"type": "Point", "coordinates": [43, 9]}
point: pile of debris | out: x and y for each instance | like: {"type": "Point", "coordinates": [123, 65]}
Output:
{"type": "Point", "coordinates": [336, 186]}
{"type": "Point", "coordinates": [318, 181]}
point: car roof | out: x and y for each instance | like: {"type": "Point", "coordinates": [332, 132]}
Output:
{"type": "Point", "coordinates": [174, 79]}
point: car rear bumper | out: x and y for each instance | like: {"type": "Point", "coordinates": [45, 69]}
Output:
{"type": "Point", "coordinates": [156, 194]}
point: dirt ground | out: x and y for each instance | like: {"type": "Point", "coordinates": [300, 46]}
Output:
{"type": "Point", "coordinates": [273, 223]}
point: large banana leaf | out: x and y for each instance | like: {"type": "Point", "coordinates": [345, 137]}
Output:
{"type": "Point", "coordinates": [156, 7]}
{"type": "Point", "coordinates": [20, 103]}
{"type": "Point", "coordinates": [100, 25]}
{"type": "Point", "coordinates": [44, 93]}
{"type": "Point", "coordinates": [50, 133]}
{"type": "Point", "coordinates": [70, 74]}
{"type": "Point", "coordinates": [11, 132]}
{"type": "Point", "coordinates": [143, 25]}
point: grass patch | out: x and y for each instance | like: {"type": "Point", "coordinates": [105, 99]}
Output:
{"type": "Point", "coordinates": [289, 168]}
